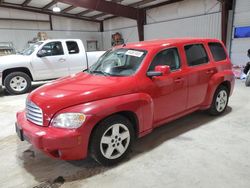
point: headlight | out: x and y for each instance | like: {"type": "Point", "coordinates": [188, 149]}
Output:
{"type": "Point", "coordinates": [69, 120]}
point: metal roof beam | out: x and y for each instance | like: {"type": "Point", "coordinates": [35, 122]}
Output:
{"type": "Point", "coordinates": [68, 9]}
{"type": "Point", "coordinates": [26, 2]}
{"type": "Point", "coordinates": [105, 6]}
{"type": "Point", "coordinates": [49, 5]}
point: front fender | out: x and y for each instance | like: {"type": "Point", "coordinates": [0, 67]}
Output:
{"type": "Point", "coordinates": [140, 104]}
{"type": "Point", "coordinates": [215, 81]}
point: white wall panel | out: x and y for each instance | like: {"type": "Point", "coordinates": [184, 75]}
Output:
{"type": "Point", "coordinates": [62, 23]}
{"type": "Point", "coordinates": [20, 37]}
{"type": "Point", "coordinates": [182, 9]}
{"type": "Point", "coordinates": [117, 23]}
{"type": "Point", "coordinates": [197, 26]}
{"type": "Point", "coordinates": [241, 45]}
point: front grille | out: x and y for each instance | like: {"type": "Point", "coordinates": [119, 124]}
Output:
{"type": "Point", "coordinates": [34, 113]}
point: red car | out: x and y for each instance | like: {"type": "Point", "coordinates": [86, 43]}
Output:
{"type": "Point", "coordinates": [131, 90]}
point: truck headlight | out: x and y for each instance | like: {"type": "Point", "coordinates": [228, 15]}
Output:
{"type": "Point", "coordinates": [69, 120]}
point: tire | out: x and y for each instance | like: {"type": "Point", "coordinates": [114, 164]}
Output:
{"type": "Point", "coordinates": [220, 101]}
{"type": "Point", "coordinates": [247, 83]}
{"type": "Point", "coordinates": [17, 83]}
{"type": "Point", "coordinates": [111, 140]}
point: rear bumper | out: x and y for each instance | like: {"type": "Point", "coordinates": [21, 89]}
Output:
{"type": "Point", "coordinates": [59, 143]}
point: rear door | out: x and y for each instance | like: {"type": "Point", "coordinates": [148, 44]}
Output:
{"type": "Point", "coordinates": [201, 69]}
{"type": "Point", "coordinates": [53, 64]}
{"type": "Point", "coordinates": [76, 56]}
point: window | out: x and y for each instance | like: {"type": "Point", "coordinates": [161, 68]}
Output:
{"type": "Point", "coordinates": [217, 51]}
{"type": "Point", "coordinates": [53, 48]}
{"type": "Point", "coordinates": [168, 57]}
{"type": "Point", "coordinates": [196, 54]}
{"type": "Point", "coordinates": [72, 47]}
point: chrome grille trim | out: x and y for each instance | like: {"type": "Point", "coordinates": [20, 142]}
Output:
{"type": "Point", "coordinates": [34, 113]}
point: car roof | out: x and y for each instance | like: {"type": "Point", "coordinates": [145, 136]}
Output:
{"type": "Point", "coordinates": [168, 42]}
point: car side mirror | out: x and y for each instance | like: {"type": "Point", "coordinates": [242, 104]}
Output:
{"type": "Point", "coordinates": [41, 53]}
{"type": "Point", "coordinates": [160, 70]}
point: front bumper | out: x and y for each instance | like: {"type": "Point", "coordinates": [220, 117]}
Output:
{"type": "Point", "coordinates": [66, 144]}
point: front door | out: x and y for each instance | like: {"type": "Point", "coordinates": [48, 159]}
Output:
{"type": "Point", "coordinates": [53, 64]}
{"type": "Point", "coordinates": [169, 93]}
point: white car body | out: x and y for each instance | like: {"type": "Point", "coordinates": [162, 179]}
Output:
{"type": "Point", "coordinates": [52, 66]}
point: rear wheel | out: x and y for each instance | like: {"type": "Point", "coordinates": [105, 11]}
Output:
{"type": "Point", "coordinates": [17, 83]}
{"type": "Point", "coordinates": [220, 100]}
{"type": "Point", "coordinates": [111, 140]}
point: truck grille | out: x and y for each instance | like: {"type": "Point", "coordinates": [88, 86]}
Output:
{"type": "Point", "coordinates": [34, 113]}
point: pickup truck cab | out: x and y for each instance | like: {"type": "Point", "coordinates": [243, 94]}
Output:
{"type": "Point", "coordinates": [44, 60]}
{"type": "Point", "coordinates": [131, 90]}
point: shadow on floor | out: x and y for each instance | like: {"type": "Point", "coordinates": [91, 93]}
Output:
{"type": "Point", "coordinates": [52, 172]}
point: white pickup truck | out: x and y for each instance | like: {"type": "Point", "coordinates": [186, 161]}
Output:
{"type": "Point", "coordinates": [45, 60]}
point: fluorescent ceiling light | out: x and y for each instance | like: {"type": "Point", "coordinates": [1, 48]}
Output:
{"type": "Point", "coordinates": [56, 9]}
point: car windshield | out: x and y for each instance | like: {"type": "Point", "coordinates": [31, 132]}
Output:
{"type": "Point", "coordinates": [31, 49]}
{"type": "Point", "coordinates": [119, 62]}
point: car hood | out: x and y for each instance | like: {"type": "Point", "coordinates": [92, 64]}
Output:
{"type": "Point", "coordinates": [78, 89]}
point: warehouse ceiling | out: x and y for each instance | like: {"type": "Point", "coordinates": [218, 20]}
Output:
{"type": "Point", "coordinates": [91, 10]}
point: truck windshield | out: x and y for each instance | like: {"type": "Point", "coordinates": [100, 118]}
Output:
{"type": "Point", "coordinates": [119, 62]}
{"type": "Point", "coordinates": [31, 49]}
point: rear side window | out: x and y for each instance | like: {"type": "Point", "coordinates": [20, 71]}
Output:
{"type": "Point", "coordinates": [217, 51]}
{"type": "Point", "coordinates": [72, 47]}
{"type": "Point", "coordinates": [196, 54]}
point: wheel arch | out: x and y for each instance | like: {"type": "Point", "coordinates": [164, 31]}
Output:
{"type": "Point", "coordinates": [17, 69]}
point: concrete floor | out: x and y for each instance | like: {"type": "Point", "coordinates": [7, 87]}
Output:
{"type": "Point", "coordinates": [195, 151]}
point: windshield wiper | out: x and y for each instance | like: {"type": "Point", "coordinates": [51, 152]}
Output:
{"type": "Point", "coordinates": [100, 72]}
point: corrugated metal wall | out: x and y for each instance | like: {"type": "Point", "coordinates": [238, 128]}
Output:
{"type": "Point", "coordinates": [189, 18]}
{"type": "Point", "coordinates": [241, 45]}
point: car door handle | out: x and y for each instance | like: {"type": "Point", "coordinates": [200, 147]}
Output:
{"type": "Point", "coordinates": [210, 71]}
{"type": "Point", "coordinates": [178, 80]}
{"type": "Point", "coordinates": [62, 59]}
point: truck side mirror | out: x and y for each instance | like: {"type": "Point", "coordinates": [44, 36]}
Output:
{"type": "Point", "coordinates": [41, 53]}
{"type": "Point", "coordinates": [160, 70]}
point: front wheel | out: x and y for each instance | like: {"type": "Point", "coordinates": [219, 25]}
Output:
{"type": "Point", "coordinates": [111, 140]}
{"type": "Point", "coordinates": [220, 101]}
{"type": "Point", "coordinates": [17, 83]}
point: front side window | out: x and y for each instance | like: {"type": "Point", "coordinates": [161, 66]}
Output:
{"type": "Point", "coordinates": [168, 57]}
{"type": "Point", "coordinates": [119, 62]}
{"type": "Point", "coordinates": [217, 51]}
{"type": "Point", "coordinates": [53, 48]}
{"type": "Point", "coordinates": [72, 47]}
{"type": "Point", "coordinates": [196, 54]}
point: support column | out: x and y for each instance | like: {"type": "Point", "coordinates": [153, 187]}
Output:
{"type": "Point", "coordinates": [224, 20]}
{"type": "Point", "coordinates": [141, 21]}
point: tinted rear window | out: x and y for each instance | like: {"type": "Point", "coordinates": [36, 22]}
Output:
{"type": "Point", "coordinates": [196, 54]}
{"type": "Point", "coordinates": [217, 51]}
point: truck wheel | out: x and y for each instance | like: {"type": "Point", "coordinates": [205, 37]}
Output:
{"type": "Point", "coordinates": [17, 83]}
{"type": "Point", "coordinates": [220, 100]}
{"type": "Point", "coordinates": [247, 83]}
{"type": "Point", "coordinates": [111, 140]}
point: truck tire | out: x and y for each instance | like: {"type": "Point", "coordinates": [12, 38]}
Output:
{"type": "Point", "coordinates": [220, 101]}
{"type": "Point", "coordinates": [17, 83]}
{"type": "Point", "coordinates": [111, 140]}
{"type": "Point", "coordinates": [247, 83]}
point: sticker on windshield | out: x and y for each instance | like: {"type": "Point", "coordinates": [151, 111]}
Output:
{"type": "Point", "coordinates": [134, 53]}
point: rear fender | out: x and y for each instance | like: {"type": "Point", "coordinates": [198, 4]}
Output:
{"type": "Point", "coordinates": [215, 81]}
